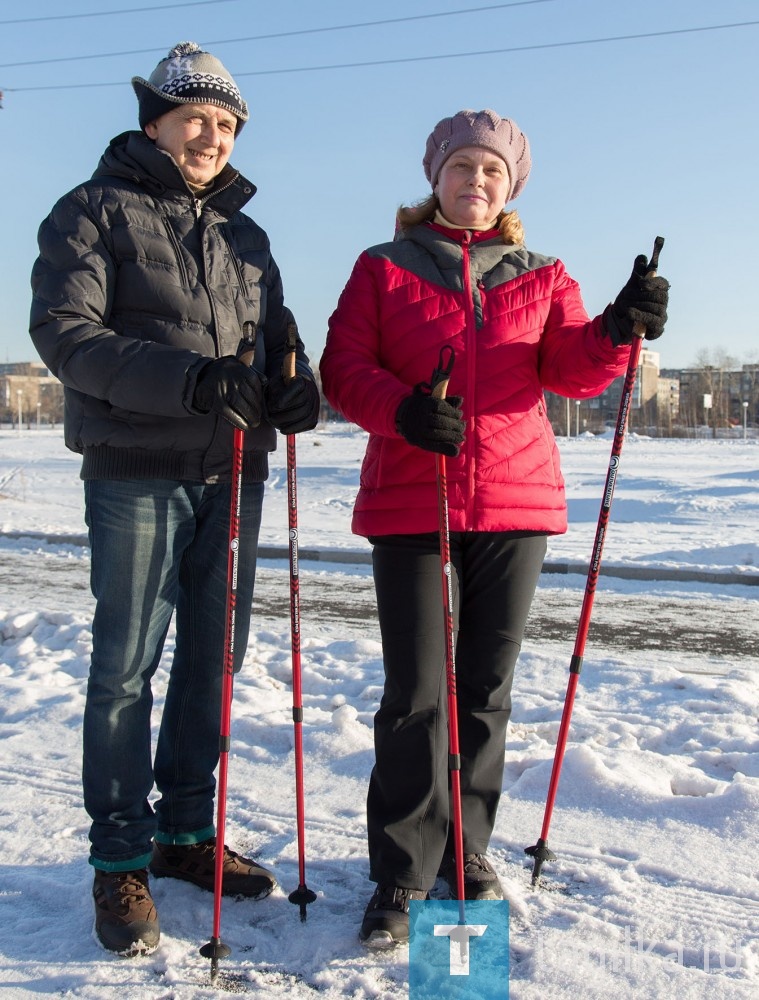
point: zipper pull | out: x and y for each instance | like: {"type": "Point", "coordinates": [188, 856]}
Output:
{"type": "Point", "coordinates": [198, 205]}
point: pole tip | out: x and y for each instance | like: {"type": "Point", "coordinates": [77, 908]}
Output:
{"type": "Point", "coordinates": [215, 949]}
{"type": "Point", "coordinates": [301, 897]}
{"type": "Point", "coordinates": [541, 853]}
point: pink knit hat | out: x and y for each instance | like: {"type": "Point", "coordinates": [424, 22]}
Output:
{"type": "Point", "coordinates": [487, 130]}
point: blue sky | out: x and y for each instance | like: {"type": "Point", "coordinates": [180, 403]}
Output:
{"type": "Point", "coordinates": [630, 138]}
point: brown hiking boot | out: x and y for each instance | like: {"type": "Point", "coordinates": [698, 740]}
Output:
{"type": "Point", "coordinates": [196, 863]}
{"type": "Point", "coordinates": [125, 915]}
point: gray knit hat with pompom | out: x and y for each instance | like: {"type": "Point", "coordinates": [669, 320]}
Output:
{"type": "Point", "coordinates": [188, 75]}
{"type": "Point", "coordinates": [487, 130]}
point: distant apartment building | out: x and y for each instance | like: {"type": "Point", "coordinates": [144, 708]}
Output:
{"type": "Point", "coordinates": [680, 402]}
{"type": "Point", "coordinates": [29, 394]}
{"type": "Point", "coordinates": [718, 398]}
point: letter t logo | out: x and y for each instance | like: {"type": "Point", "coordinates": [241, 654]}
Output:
{"type": "Point", "coordinates": [459, 944]}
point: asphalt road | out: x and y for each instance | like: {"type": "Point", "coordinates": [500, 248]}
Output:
{"type": "Point", "coordinates": [709, 621]}
{"type": "Point", "coordinates": [718, 625]}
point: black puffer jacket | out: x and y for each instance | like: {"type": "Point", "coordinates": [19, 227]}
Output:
{"type": "Point", "coordinates": [138, 283]}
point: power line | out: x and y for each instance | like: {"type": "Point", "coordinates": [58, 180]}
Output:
{"type": "Point", "coordinates": [108, 13]}
{"type": "Point", "coordinates": [281, 34]}
{"type": "Point", "coordinates": [412, 59]}
{"type": "Point", "coordinates": [493, 52]}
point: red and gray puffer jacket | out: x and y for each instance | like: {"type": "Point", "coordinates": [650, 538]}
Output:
{"type": "Point", "coordinates": [517, 325]}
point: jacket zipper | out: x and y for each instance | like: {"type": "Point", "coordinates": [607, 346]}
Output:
{"type": "Point", "coordinates": [198, 204]}
{"type": "Point", "coordinates": [470, 342]}
{"type": "Point", "coordinates": [237, 268]}
{"type": "Point", "coordinates": [178, 251]}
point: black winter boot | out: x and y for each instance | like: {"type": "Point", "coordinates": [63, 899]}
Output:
{"type": "Point", "coordinates": [386, 920]}
{"type": "Point", "coordinates": [480, 879]}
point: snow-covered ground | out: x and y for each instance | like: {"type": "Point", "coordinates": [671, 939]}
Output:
{"type": "Point", "coordinates": [655, 892]}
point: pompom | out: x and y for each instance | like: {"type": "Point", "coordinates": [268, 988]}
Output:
{"type": "Point", "coordinates": [183, 49]}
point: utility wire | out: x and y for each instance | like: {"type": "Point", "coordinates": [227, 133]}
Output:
{"type": "Point", "coordinates": [493, 52]}
{"type": "Point", "coordinates": [282, 34]}
{"type": "Point", "coordinates": [108, 13]}
{"type": "Point", "coordinates": [412, 59]}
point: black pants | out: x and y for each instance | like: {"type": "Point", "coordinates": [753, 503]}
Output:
{"type": "Point", "coordinates": [495, 575]}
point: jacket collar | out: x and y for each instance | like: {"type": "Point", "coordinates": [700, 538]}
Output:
{"type": "Point", "coordinates": [445, 246]}
{"type": "Point", "coordinates": [466, 235]}
{"type": "Point", "coordinates": [133, 156]}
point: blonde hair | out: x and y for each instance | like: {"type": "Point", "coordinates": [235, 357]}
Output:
{"type": "Point", "coordinates": [509, 223]}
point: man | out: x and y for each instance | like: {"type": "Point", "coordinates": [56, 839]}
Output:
{"type": "Point", "coordinates": [146, 274]}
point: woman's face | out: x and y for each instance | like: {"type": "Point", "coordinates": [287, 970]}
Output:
{"type": "Point", "coordinates": [472, 187]}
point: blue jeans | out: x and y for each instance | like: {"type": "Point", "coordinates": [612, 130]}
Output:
{"type": "Point", "coordinates": [159, 547]}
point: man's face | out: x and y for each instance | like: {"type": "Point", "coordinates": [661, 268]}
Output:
{"type": "Point", "coordinates": [200, 138]}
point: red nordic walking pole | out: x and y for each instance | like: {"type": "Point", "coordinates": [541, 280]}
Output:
{"type": "Point", "coordinates": [439, 387]}
{"type": "Point", "coordinates": [540, 851]}
{"type": "Point", "coordinates": [216, 949]}
{"type": "Point", "coordinates": [301, 896]}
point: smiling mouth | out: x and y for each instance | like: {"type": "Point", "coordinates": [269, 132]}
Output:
{"type": "Point", "coordinates": [201, 156]}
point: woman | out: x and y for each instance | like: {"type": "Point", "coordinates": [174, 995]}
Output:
{"type": "Point", "coordinates": [458, 274]}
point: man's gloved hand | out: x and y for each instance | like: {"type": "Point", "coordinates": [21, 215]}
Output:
{"type": "Point", "coordinates": [231, 389]}
{"type": "Point", "coordinates": [431, 423]}
{"type": "Point", "coordinates": [642, 300]}
{"type": "Point", "coordinates": [292, 406]}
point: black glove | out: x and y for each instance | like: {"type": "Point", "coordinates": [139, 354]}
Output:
{"type": "Point", "coordinates": [231, 389]}
{"type": "Point", "coordinates": [431, 423]}
{"type": "Point", "coordinates": [642, 300]}
{"type": "Point", "coordinates": [292, 406]}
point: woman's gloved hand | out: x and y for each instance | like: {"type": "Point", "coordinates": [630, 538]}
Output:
{"type": "Point", "coordinates": [431, 423]}
{"type": "Point", "coordinates": [642, 300]}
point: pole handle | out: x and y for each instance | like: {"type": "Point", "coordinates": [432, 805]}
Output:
{"type": "Point", "coordinates": [288, 364]}
{"type": "Point", "coordinates": [246, 349]}
{"type": "Point", "coordinates": [441, 376]}
{"type": "Point", "coordinates": [639, 329]}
